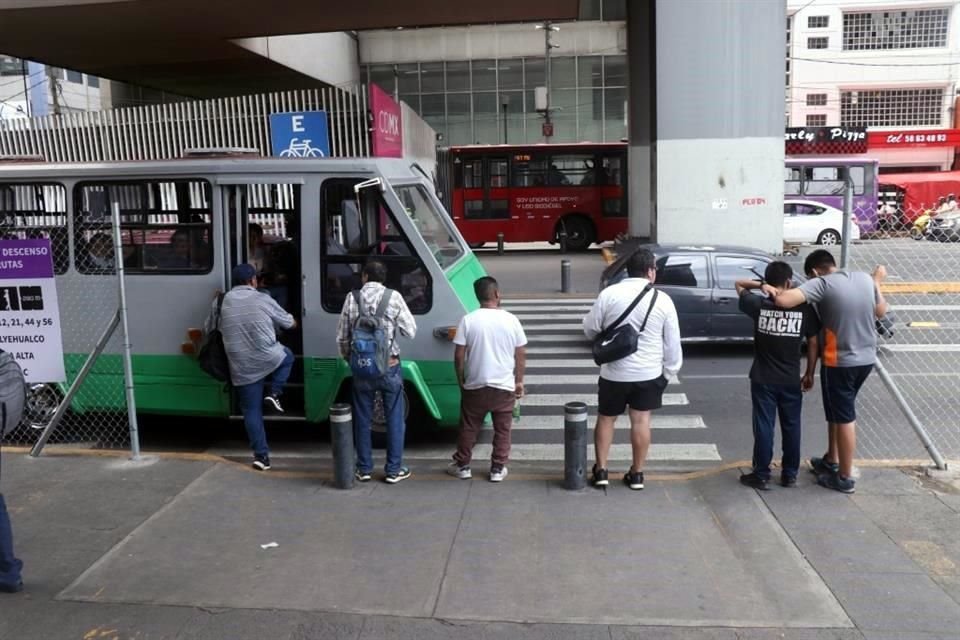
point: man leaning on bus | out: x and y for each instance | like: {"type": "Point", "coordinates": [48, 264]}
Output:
{"type": "Point", "coordinates": [249, 322]}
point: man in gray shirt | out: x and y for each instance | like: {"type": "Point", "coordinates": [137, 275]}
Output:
{"type": "Point", "coordinates": [249, 321]}
{"type": "Point", "coordinates": [849, 304]}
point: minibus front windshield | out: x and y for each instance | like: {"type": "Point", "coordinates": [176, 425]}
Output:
{"type": "Point", "coordinates": [433, 224]}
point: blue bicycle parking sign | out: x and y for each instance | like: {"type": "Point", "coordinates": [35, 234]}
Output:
{"type": "Point", "coordinates": [300, 134]}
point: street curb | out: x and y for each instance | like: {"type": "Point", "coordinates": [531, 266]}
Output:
{"type": "Point", "coordinates": [683, 476]}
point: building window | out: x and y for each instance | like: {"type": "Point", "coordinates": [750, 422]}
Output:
{"type": "Point", "coordinates": [74, 76]}
{"type": "Point", "coordinates": [818, 22]}
{"type": "Point", "coordinates": [816, 99]}
{"type": "Point", "coordinates": [892, 108]}
{"type": "Point", "coordinates": [10, 66]}
{"type": "Point", "coordinates": [816, 119]}
{"type": "Point", "coordinates": [913, 29]}
{"type": "Point", "coordinates": [603, 10]}
{"type": "Point", "coordinates": [93, 82]}
{"type": "Point", "coordinates": [818, 43]}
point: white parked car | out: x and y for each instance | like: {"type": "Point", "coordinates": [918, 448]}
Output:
{"type": "Point", "coordinates": [813, 222]}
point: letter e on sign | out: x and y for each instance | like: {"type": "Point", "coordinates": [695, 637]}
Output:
{"type": "Point", "coordinates": [297, 124]}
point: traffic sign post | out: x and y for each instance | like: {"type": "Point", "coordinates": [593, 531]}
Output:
{"type": "Point", "coordinates": [303, 134]}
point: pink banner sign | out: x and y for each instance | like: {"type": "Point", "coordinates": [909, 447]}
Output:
{"type": "Point", "coordinates": [387, 124]}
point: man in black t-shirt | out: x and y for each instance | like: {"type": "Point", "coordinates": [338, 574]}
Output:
{"type": "Point", "coordinates": [775, 383]}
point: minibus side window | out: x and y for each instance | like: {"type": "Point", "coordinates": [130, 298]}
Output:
{"type": "Point", "coordinates": [165, 226]}
{"type": "Point", "coordinates": [352, 235]}
{"type": "Point", "coordinates": [29, 211]}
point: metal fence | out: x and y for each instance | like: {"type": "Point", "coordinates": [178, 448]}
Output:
{"type": "Point", "coordinates": [913, 391]}
{"type": "Point", "coordinates": [153, 132]}
{"type": "Point", "coordinates": [97, 414]}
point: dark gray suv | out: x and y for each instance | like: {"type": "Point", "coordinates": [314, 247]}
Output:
{"type": "Point", "coordinates": [700, 281]}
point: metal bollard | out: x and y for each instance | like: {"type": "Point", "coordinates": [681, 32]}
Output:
{"type": "Point", "coordinates": [575, 446]}
{"type": "Point", "coordinates": [562, 236]}
{"type": "Point", "coordinates": [341, 439]}
{"type": "Point", "coordinates": [566, 286]}
{"type": "Point", "coordinates": [500, 243]}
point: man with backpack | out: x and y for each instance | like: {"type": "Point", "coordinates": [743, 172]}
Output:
{"type": "Point", "coordinates": [638, 379]}
{"type": "Point", "coordinates": [12, 398]}
{"type": "Point", "coordinates": [367, 339]}
{"type": "Point", "coordinates": [248, 321]}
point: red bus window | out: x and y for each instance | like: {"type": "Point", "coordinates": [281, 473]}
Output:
{"type": "Point", "coordinates": [498, 173]}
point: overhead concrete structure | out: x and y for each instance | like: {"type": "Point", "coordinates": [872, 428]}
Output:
{"type": "Point", "coordinates": [187, 47]}
{"type": "Point", "coordinates": [705, 81]}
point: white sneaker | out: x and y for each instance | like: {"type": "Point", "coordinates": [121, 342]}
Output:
{"type": "Point", "coordinates": [455, 470]}
{"type": "Point", "coordinates": [498, 473]}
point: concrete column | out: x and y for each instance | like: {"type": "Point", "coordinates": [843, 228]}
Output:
{"type": "Point", "coordinates": [706, 121]}
{"type": "Point", "coordinates": [641, 117]}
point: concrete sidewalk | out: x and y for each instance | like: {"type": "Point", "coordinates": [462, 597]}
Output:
{"type": "Point", "coordinates": [174, 549]}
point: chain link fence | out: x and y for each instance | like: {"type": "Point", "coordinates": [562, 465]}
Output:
{"type": "Point", "coordinates": [88, 293]}
{"type": "Point", "coordinates": [913, 390]}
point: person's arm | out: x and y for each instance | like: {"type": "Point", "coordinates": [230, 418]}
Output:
{"type": "Point", "coordinates": [405, 321]}
{"type": "Point", "coordinates": [520, 358]}
{"type": "Point", "coordinates": [593, 321]}
{"type": "Point", "coordinates": [281, 319]}
{"type": "Point", "coordinates": [879, 275]}
{"type": "Point", "coordinates": [746, 285]}
{"type": "Point", "coordinates": [785, 299]}
{"type": "Point", "coordinates": [344, 326]}
{"type": "Point", "coordinates": [459, 358]}
{"type": "Point", "coordinates": [813, 352]}
{"type": "Point", "coordinates": [749, 303]}
{"type": "Point", "coordinates": [672, 351]}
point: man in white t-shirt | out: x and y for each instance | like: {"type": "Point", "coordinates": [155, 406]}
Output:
{"type": "Point", "coordinates": [490, 358]}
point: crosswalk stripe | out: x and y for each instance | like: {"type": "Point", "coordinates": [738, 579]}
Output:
{"type": "Point", "coordinates": [564, 378]}
{"type": "Point", "coordinates": [557, 338]}
{"type": "Point", "coordinates": [547, 423]}
{"type": "Point", "coordinates": [571, 349]}
{"type": "Point", "coordinates": [526, 310]}
{"type": "Point", "coordinates": [573, 327]}
{"type": "Point", "coordinates": [560, 302]}
{"type": "Point", "coordinates": [546, 363]}
{"type": "Point", "coordinates": [550, 316]}
{"type": "Point", "coordinates": [559, 399]}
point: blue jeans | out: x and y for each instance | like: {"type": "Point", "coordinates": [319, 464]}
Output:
{"type": "Point", "coordinates": [9, 565]}
{"type": "Point", "coordinates": [250, 397]}
{"type": "Point", "coordinates": [391, 386]}
{"type": "Point", "coordinates": [769, 400]}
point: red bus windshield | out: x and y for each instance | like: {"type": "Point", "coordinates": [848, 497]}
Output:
{"type": "Point", "coordinates": [534, 193]}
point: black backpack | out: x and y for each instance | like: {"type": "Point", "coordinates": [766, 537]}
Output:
{"type": "Point", "coordinates": [13, 393]}
{"type": "Point", "coordinates": [213, 354]}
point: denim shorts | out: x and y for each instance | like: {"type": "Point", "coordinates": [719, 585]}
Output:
{"type": "Point", "coordinates": [840, 386]}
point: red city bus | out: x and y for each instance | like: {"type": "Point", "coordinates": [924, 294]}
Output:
{"type": "Point", "coordinates": [531, 193]}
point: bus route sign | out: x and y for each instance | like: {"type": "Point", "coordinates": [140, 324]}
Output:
{"type": "Point", "coordinates": [29, 310]}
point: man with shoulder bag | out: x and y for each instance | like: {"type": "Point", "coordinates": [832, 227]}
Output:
{"type": "Point", "coordinates": [636, 337]}
{"type": "Point", "coordinates": [12, 398]}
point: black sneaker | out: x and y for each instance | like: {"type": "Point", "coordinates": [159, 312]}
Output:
{"type": "Point", "coordinates": [822, 465]}
{"type": "Point", "coordinates": [362, 476]}
{"type": "Point", "coordinates": [790, 482]}
{"type": "Point", "coordinates": [272, 401]}
{"type": "Point", "coordinates": [633, 479]}
{"type": "Point", "coordinates": [835, 482]}
{"type": "Point", "coordinates": [261, 463]}
{"type": "Point", "coordinates": [397, 476]}
{"type": "Point", "coordinates": [11, 588]}
{"type": "Point", "coordinates": [600, 477]}
{"type": "Point", "coordinates": [754, 481]}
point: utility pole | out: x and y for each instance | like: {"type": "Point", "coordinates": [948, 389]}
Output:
{"type": "Point", "coordinates": [548, 30]}
{"type": "Point", "coordinates": [54, 89]}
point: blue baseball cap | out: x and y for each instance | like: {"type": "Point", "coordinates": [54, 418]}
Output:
{"type": "Point", "coordinates": [243, 273]}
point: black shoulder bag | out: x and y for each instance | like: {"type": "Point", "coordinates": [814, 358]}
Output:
{"type": "Point", "coordinates": [617, 342]}
{"type": "Point", "coordinates": [212, 356]}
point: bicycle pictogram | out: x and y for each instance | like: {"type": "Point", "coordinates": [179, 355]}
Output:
{"type": "Point", "coordinates": [301, 150]}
